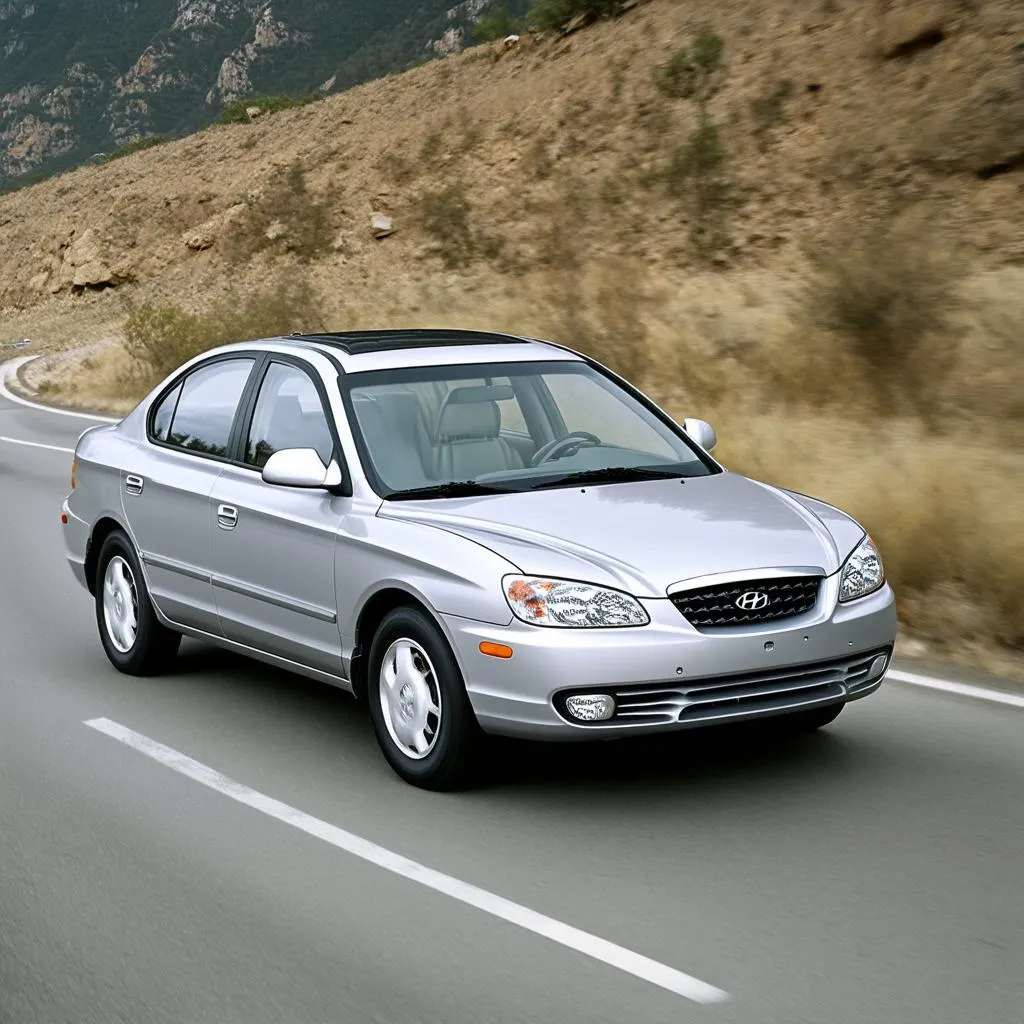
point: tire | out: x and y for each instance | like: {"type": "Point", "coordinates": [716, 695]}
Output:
{"type": "Point", "coordinates": [809, 721]}
{"type": "Point", "coordinates": [121, 595]}
{"type": "Point", "coordinates": [421, 714]}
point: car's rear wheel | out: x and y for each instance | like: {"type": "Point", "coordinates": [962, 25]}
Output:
{"type": "Point", "coordinates": [133, 638]}
{"type": "Point", "coordinates": [808, 721]}
{"type": "Point", "coordinates": [418, 704]}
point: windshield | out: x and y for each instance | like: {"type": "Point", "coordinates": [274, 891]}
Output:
{"type": "Point", "coordinates": [494, 428]}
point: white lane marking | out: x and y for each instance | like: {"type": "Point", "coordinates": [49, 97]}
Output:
{"type": "Point", "coordinates": [963, 689]}
{"type": "Point", "coordinates": [36, 444]}
{"type": "Point", "coordinates": [12, 366]}
{"type": "Point", "coordinates": [583, 942]}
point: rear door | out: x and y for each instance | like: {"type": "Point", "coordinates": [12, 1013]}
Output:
{"type": "Point", "coordinates": [166, 493]}
{"type": "Point", "coordinates": [273, 547]}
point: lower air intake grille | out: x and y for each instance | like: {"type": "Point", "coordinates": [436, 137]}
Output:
{"type": "Point", "coordinates": [746, 695]}
{"type": "Point", "coordinates": [748, 601]}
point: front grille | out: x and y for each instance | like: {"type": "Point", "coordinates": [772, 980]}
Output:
{"type": "Point", "coordinates": [746, 695]}
{"type": "Point", "coordinates": [748, 601]}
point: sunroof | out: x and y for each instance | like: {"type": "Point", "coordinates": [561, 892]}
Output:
{"type": "Point", "coordinates": [357, 342]}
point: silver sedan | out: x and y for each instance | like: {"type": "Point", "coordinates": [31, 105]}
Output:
{"type": "Point", "coordinates": [475, 534]}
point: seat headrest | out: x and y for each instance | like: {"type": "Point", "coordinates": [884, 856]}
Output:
{"type": "Point", "coordinates": [287, 416]}
{"type": "Point", "coordinates": [471, 414]}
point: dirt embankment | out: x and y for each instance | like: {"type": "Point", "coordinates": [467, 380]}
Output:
{"type": "Point", "coordinates": [800, 218]}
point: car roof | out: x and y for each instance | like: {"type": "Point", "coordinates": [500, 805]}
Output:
{"type": "Point", "coordinates": [393, 349]}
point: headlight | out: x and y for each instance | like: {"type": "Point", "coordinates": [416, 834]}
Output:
{"type": "Point", "coordinates": [863, 573]}
{"type": "Point", "coordinates": [544, 602]}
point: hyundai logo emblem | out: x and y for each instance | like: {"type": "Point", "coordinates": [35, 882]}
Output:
{"type": "Point", "coordinates": [752, 601]}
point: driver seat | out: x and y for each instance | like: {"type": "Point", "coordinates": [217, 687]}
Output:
{"type": "Point", "coordinates": [467, 439]}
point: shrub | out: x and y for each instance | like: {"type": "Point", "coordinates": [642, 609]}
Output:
{"type": "Point", "coordinates": [159, 338]}
{"type": "Point", "coordinates": [135, 146]}
{"type": "Point", "coordinates": [697, 173]}
{"type": "Point", "coordinates": [447, 216]}
{"type": "Point", "coordinates": [285, 217]}
{"type": "Point", "coordinates": [237, 111]}
{"type": "Point", "coordinates": [886, 290]}
{"type": "Point", "coordinates": [769, 110]}
{"type": "Point", "coordinates": [555, 15]}
{"type": "Point", "coordinates": [495, 24]}
{"type": "Point", "coordinates": [689, 72]}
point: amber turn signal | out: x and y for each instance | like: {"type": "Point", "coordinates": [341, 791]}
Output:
{"type": "Point", "coordinates": [495, 650]}
{"type": "Point", "coordinates": [74, 467]}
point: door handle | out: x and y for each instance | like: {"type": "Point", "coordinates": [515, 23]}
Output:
{"type": "Point", "coordinates": [134, 484]}
{"type": "Point", "coordinates": [227, 517]}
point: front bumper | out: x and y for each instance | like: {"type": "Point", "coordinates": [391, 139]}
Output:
{"type": "Point", "coordinates": [668, 675]}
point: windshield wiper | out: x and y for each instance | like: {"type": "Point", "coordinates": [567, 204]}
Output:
{"type": "Point", "coordinates": [616, 475]}
{"type": "Point", "coordinates": [452, 489]}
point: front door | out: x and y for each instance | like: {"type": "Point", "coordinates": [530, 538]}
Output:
{"type": "Point", "coordinates": [167, 483]}
{"type": "Point", "coordinates": [273, 547]}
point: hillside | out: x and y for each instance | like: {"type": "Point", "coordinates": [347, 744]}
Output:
{"type": "Point", "coordinates": [75, 81]}
{"type": "Point", "coordinates": [815, 243]}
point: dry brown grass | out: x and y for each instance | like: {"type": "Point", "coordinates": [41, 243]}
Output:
{"type": "Point", "coordinates": [942, 503]}
{"type": "Point", "coordinates": [944, 511]}
{"type": "Point", "coordinates": [836, 348]}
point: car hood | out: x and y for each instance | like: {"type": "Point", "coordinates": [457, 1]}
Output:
{"type": "Point", "coordinates": [645, 537]}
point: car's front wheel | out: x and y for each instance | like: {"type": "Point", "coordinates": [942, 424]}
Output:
{"type": "Point", "coordinates": [418, 704]}
{"type": "Point", "coordinates": [133, 638]}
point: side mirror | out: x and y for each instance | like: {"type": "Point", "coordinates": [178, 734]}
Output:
{"type": "Point", "coordinates": [702, 432]}
{"type": "Point", "coordinates": [300, 467]}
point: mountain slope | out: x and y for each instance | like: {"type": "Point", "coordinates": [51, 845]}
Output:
{"type": "Point", "coordinates": [79, 77]}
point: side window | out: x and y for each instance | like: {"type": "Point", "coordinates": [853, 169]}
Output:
{"type": "Point", "coordinates": [163, 414]}
{"type": "Point", "coordinates": [207, 405]}
{"type": "Point", "coordinates": [288, 414]}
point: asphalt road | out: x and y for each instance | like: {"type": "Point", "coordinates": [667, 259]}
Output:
{"type": "Point", "coordinates": [872, 874]}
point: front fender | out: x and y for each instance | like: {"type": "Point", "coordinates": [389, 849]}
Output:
{"type": "Point", "coordinates": [448, 574]}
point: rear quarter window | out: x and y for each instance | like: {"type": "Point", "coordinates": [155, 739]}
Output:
{"type": "Point", "coordinates": [164, 414]}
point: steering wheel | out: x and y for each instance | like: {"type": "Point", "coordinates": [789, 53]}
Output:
{"type": "Point", "coordinates": [561, 445]}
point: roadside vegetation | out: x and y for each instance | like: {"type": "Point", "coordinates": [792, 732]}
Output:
{"type": "Point", "coordinates": [135, 146]}
{"type": "Point", "coordinates": [158, 338]}
{"type": "Point", "coordinates": [692, 218]}
{"type": "Point", "coordinates": [237, 111]}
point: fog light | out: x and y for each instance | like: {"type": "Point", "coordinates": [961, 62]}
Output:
{"type": "Point", "coordinates": [590, 707]}
{"type": "Point", "coordinates": [878, 666]}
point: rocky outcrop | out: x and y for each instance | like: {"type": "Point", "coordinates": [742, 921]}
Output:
{"type": "Point", "coordinates": [90, 263]}
{"type": "Point", "coordinates": [30, 140]}
{"type": "Point", "coordinates": [165, 67]}
{"type": "Point", "coordinates": [234, 78]}
{"type": "Point", "coordinates": [203, 14]}
{"type": "Point", "coordinates": [154, 71]}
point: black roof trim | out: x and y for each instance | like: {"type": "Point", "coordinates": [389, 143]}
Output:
{"type": "Point", "coordinates": [359, 342]}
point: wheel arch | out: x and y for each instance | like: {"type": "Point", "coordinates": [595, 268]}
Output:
{"type": "Point", "coordinates": [102, 529]}
{"type": "Point", "coordinates": [373, 612]}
